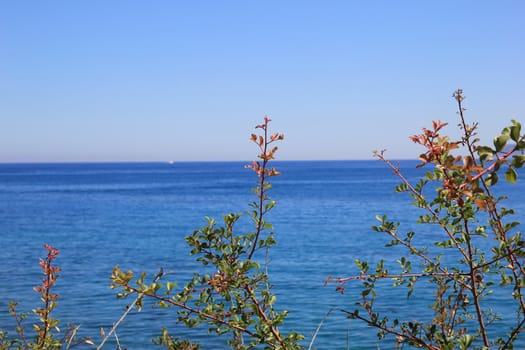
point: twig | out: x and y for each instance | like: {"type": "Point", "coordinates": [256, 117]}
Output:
{"type": "Point", "coordinates": [262, 181]}
{"type": "Point", "coordinates": [118, 342]}
{"type": "Point", "coordinates": [412, 337]}
{"type": "Point", "coordinates": [129, 308]}
{"type": "Point", "coordinates": [73, 332]}
{"type": "Point", "coordinates": [319, 327]}
{"type": "Point", "coordinates": [113, 329]}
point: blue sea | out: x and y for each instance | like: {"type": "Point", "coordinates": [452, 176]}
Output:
{"type": "Point", "coordinates": [136, 215]}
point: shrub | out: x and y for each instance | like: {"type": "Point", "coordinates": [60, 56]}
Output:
{"type": "Point", "coordinates": [478, 248]}
{"type": "Point", "coordinates": [236, 298]}
{"type": "Point", "coordinates": [47, 331]}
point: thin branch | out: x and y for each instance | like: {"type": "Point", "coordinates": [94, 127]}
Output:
{"type": "Point", "coordinates": [189, 308]}
{"type": "Point", "coordinates": [19, 328]}
{"type": "Point", "coordinates": [128, 310]}
{"type": "Point", "coordinates": [421, 198]}
{"type": "Point", "coordinates": [514, 334]}
{"type": "Point", "coordinates": [319, 328]}
{"type": "Point", "coordinates": [261, 312]}
{"type": "Point", "coordinates": [493, 164]}
{"type": "Point", "coordinates": [473, 283]}
{"type": "Point", "coordinates": [379, 277]}
{"type": "Point", "coordinates": [403, 335]}
{"type": "Point", "coordinates": [261, 194]}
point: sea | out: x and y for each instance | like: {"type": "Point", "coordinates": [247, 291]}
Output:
{"type": "Point", "coordinates": [136, 215]}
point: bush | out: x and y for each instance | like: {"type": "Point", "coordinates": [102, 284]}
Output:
{"type": "Point", "coordinates": [478, 248]}
{"type": "Point", "coordinates": [236, 298]}
{"type": "Point", "coordinates": [47, 331]}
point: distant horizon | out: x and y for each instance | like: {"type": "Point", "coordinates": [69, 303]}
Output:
{"type": "Point", "coordinates": [204, 161]}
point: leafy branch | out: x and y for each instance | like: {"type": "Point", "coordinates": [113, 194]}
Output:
{"type": "Point", "coordinates": [237, 297]}
{"type": "Point", "coordinates": [456, 196]}
{"type": "Point", "coordinates": [46, 329]}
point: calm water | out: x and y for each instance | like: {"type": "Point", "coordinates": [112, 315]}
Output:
{"type": "Point", "coordinates": [136, 215]}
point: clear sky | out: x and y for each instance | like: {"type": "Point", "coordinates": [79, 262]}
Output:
{"type": "Point", "coordinates": [187, 80]}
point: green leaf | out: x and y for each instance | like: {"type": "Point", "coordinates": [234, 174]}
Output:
{"type": "Point", "coordinates": [465, 341]}
{"type": "Point", "coordinates": [401, 187]}
{"type": "Point", "coordinates": [491, 179]}
{"type": "Point", "coordinates": [170, 286]}
{"type": "Point", "coordinates": [515, 131]}
{"type": "Point", "coordinates": [500, 142]}
{"type": "Point", "coordinates": [518, 160]}
{"type": "Point", "coordinates": [484, 152]}
{"type": "Point", "coordinates": [511, 175]}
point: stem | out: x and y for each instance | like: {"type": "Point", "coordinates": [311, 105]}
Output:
{"type": "Point", "coordinates": [467, 131]}
{"type": "Point", "coordinates": [45, 295]}
{"type": "Point", "coordinates": [417, 275]}
{"type": "Point", "coordinates": [261, 312]}
{"type": "Point", "coordinates": [20, 329]}
{"type": "Point", "coordinates": [474, 289]}
{"type": "Point", "coordinates": [470, 260]}
{"type": "Point", "coordinates": [421, 198]}
{"type": "Point", "coordinates": [115, 326]}
{"type": "Point", "coordinates": [188, 308]}
{"type": "Point", "coordinates": [262, 180]}
{"type": "Point", "coordinates": [514, 334]}
{"type": "Point", "coordinates": [444, 272]}
{"type": "Point", "coordinates": [493, 164]}
{"type": "Point", "coordinates": [129, 308]}
{"type": "Point", "coordinates": [319, 328]}
{"type": "Point", "coordinates": [403, 335]}
{"type": "Point", "coordinates": [454, 309]}
{"type": "Point", "coordinates": [496, 219]}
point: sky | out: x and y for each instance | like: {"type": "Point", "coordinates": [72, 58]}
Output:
{"type": "Point", "coordinates": [84, 81]}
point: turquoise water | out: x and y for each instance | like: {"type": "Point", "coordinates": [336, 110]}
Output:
{"type": "Point", "coordinates": [136, 215]}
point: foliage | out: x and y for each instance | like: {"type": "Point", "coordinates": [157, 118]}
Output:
{"type": "Point", "coordinates": [478, 251]}
{"type": "Point", "coordinates": [478, 248]}
{"type": "Point", "coordinates": [236, 298]}
{"type": "Point", "coordinates": [47, 330]}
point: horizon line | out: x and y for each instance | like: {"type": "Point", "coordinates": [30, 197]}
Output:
{"type": "Point", "coordinates": [191, 161]}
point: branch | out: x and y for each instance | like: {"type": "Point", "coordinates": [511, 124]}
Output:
{"type": "Point", "coordinates": [416, 275]}
{"type": "Point", "coordinates": [261, 312]}
{"type": "Point", "coordinates": [396, 171]}
{"type": "Point", "coordinates": [262, 180]}
{"type": "Point", "coordinates": [403, 335]}
{"type": "Point", "coordinates": [493, 164]}
{"type": "Point", "coordinates": [129, 308]}
{"type": "Point", "coordinates": [188, 308]}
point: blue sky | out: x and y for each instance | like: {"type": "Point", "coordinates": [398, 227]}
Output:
{"type": "Point", "coordinates": [188, 80]}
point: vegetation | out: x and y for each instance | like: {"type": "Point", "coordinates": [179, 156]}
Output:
{"type": "Point", "coordinates": [478, 251]}
{"type": "Point", "coordinates": [236, 298]}
{"type": "Point", "coordinates": [478, 247]}
{"type": "Point", "coordinates": [47, 330]}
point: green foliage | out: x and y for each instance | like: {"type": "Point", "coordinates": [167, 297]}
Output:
{"type": "Point", "coordinates": [478, 250]}
{"type": "Point", "coordinates": [170, 343]}
{"type": "Point", "coordinates": [467, 217]}
{"type": "Point", "coordinates": [236, 299]}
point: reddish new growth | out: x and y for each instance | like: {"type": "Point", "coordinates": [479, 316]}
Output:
{"type": "Point", "coordinates": [50, 276]}
{"type": "Point", "coordinates": [50, 272]}
{"type": "Point", "coordinates": [263, 142]}
{"type": "Point", "coordinates": [263, 172]}
{"type": "Point", "coordinates": [438, 152]}
{"type": "Point", "coordinates": [436, 145]}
